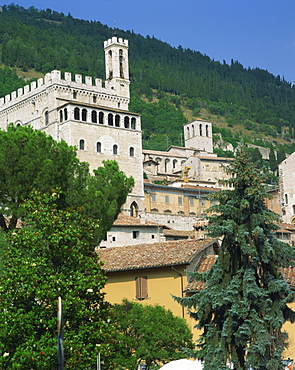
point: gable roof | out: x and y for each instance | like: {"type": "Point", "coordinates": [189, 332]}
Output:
{"type": "Point", "coordinates": [124, 220]}
{"type": "Point", "coordinates": [169, 253]}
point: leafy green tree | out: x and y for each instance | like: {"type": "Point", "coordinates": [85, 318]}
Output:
{"type": "Point", "coordinates": [149, 334]}
{"type": "Point", "coordinates": [52, 257]}
{"type": "Point", "coordinates": [30, 160]}
{"type": "Point", "coordinates": [245, 300]}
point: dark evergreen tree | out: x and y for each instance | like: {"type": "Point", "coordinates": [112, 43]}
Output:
{"type": "Point", "coordinates": [272, 160]}
{"type": "Point", "coordinates": [245, 300]}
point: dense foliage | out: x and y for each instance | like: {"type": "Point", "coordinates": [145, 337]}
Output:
{"type": "Point", "coordinates": [245, 302]}
{"type": "Point", "coordinates": [51, 257]}
{"type": "Point", "coordinates": [149, 334]}
{"type": "Point", "coordinates": [45, 40]}
{"type": "Point", "coordinates": [31, 160]}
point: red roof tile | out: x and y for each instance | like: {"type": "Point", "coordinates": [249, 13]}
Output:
{"type": "Point", "coordinates": [152, 255]}
{"type": "Point", "coordinates": [124, 220]}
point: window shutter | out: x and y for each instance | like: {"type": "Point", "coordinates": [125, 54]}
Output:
{"type": "Point", "coordinates": [141, 287]}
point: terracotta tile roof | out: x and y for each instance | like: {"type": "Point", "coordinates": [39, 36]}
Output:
{"type": "Point", "coordinates": [178, 233]}
{"type": "Point", "coordinates": [124, 220]}
{"type": "Point", "coordinates": [164, 154]}
{"type": "Point", "coordinates": [152, 255]}
{"type": "Point", "coordinates": [206, 263]}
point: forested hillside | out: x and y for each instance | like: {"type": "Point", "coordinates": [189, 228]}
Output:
{"type": "Point", "coordinates": [169, 85]}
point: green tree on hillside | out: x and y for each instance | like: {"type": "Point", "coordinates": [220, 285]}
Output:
{"type": "Point", "coordinates": [149, 334]}
{"type": "Point", "coordinates": [53, 256]}
{"type": "Point", "coordinates": [245, 300]}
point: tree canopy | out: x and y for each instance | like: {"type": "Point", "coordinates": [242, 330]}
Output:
{"type": "Point", "coordinates": [148, 334]}
{"type": "Point", "coordinates": [31, 160]}
{"type": "Point", "coordinates": [52, 256]}
{"type": "Point", "coordinates": [245, 300]}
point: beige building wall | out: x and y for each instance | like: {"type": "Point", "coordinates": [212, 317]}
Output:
{"type": "Point", "coordinates": [287, 189]}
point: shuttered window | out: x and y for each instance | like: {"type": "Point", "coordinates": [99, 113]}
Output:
{"type": "Point", "coordinates": [141, 287]}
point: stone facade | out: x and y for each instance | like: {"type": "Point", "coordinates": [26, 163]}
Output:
{"type": "Point", "coordinates": [287, 189]}
{"type": "Point", "coordinates": [91, 115]}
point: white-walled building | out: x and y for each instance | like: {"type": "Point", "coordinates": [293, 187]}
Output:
{"type": "Point", "coordinates": [287, 189]}
{"type": "Point", "coordinates": [91, 115]}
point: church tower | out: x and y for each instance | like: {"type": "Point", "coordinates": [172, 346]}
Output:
{"type": "Point", "coordinates": [116, 62]}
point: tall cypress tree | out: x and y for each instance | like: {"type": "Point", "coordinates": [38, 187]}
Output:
{"type": "Point", "coordinates": [245, 300]}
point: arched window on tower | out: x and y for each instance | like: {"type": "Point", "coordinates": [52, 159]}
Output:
{"type": "Point", "coordinates": [84, 115]}
{"type": "Point", "coordinates": [117, 120]}
{"type": "Point", "coordinates": [98, 147]}
{"type": "Point", "coordinates": [133, 123]}
{"type": "Point", "coordinates": [115, 149]}
{"type": "Point", "coordinates": [66, 114]}
{"type": "Point", "coordinates": [134, 209]}
{"type": "Point", "coordinates": [126, 122]}
{"type": "Point", "coordinates": [207, 131]}
{"type": "Point", "coordinates": [77, 113]}
{"type": "Point", "coordinates": [100, 118]}
{"type": "Point", "coordinates": [110, 65]}
{"type": "Point", "coordinates": [187, 130]}
{"type": "Point", "coordinates": [131, 151]}
{"type": "Point", "coordinates": [121, 63]}
{"type": "Point", "coordinates": [110, 119]}
{"type": "Point", "coordinates": [166, 164]}
{"type": "Point", "coordinates": [94, 116]}
{"type": "Point", "coordinates": [193, 127]}
{"type": "Point", "coordinates": [60, 116]}
{"type": "Point", "coordinates": [174, 164]}
{"type": "Point", "coordinates": [81, 144]}
{"type": "Point", "coordinates": [200, 129]}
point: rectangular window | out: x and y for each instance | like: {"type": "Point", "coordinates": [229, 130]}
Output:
{"type": "Point", "coordinates": [167, 198]}
{"type": "Point", "coordinates": [153, 196]}
{"type": "Point", "coordinates": [135, 234]}
{"type": "Point", "coordinates": [191, 201]}
{"type": "Point", "coordinates": [113, 238]}
{"type": "Point", "coordinates": [141, 287]}
{"type": "Point", "coordinates": [179, 200]}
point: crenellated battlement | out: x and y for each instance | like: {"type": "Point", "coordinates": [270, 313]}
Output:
{"type": "Point", "coordinates": [116, 40]}
{"type": "Point", "coordinates": [55, 77]}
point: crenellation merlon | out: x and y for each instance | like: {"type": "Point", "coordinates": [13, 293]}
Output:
{"type": "Point", "coordinates": [116, 40]}
{"type": "Point", "coordinates": [54, 77]}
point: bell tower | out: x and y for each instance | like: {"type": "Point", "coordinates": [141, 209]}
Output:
{"type": "Point", "coordinates": [117, 68]}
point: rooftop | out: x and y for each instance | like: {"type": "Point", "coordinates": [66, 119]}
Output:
{"type": "Point", "coordinates": [169, 253]}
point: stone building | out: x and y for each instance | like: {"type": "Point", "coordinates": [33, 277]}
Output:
{"type": "Point", "coordinates": [287, 189]}
{"type": "Point", "coordinates": [91, 115]}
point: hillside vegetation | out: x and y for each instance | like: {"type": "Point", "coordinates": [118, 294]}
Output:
{"type": "Point", "coordinates": [170, 86]}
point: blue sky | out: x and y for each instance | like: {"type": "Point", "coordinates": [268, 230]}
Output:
{"type": "Point", "coordinates": [257, 33]}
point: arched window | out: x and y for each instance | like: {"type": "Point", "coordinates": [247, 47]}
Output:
{"type": "Point", "coordinates": [131, 151]}
{"type": "Point", "coordinates": [77, 114]}
{"type": "Point", "coordinates": [94, 116]}
{"type": "Point", "coordinates": [134, 209]}
{"type": "Point", "coordinates": [174, 164]}
{"type": "Point", "coordinates": [100, 117]}
{"type": "Point", "coordinates": [193, 127]}
{"type": "Point", "coordinates": [110, 119]}
{"type": "Point", "coordinates": [94, 98]}
{"type": "Point", "coordinates": [117, 120]}
{"type": "Point", "coordinates": [81, 144]}
{"type": "Point", "coordinates": [166, 164]}
{"type": "Point", "coordinates": [133, 123]}
{"type": "Point", "coordinates": [66, 114]}
{"type": "Point", "coordinates": [207, 131]}
{"type": "Point", "coordinates": [46, 118]}
{"type": "Point", "coordinates": [187, 130]}
{"type": "Point", "coordinates": [60, 116]}
{"type": "Point", "coordinates": [98, 147]}
{"type": "Point", "coordinates": [121, 63]}
{"type": "Point", "coordinates": [200, 129]}
{"type": "Point", "coordinates": [84, 115]}
{"type": "Point", "coordinates": [126, 122]}
{"type": "Point", "coordinates": [115, 149]}
{"type": "Point", "coordinates": [110, 65]}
